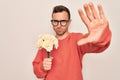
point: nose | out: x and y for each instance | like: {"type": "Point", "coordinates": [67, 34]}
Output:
{"type": "Point", "coordinates": [59, 25]}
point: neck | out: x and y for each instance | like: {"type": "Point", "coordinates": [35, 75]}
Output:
{"type": "Point", "coordinates": [60, 37]}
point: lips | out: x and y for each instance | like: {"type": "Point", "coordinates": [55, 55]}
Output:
{"type": "Point", "coordinates": [58, 30]}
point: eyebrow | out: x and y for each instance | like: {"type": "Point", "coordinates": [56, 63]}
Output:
{"type": "Point", "coordinates": [59, 20]}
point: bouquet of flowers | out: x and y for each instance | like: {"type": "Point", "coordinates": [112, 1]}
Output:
{"type": "Point", "coordinates": [48, 42]}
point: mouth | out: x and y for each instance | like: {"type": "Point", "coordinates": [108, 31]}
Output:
{"type": "Point", "coordinates": [59, 30]}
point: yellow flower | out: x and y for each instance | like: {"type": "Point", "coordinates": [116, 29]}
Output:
{"type": "Point", "coordinates": [48, 45]}
{"type": "Point", "coordinates": [40, 43]}
{"type": "Point", "coordinates": [47, 42]}
{"type": "Point", "coordinates": [55, 43]}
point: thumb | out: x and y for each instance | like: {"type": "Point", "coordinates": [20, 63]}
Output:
{"type": "Point", "coordinates": [51, 57]}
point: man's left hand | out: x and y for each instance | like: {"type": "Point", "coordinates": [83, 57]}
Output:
{"type": "Point", "coordinates": [96, 24]}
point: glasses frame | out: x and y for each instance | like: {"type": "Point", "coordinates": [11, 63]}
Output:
{"type": "Point", "coordinates": [60, 21]}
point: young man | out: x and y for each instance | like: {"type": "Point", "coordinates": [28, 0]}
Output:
{"type": "Point", "coordinates": [66, 61]}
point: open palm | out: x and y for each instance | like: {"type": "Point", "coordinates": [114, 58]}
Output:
{"type": "Point", "coordinates": [96, 24]}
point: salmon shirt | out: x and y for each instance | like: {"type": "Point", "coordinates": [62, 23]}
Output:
{"type": "Point", "coordinates": [67, 59]}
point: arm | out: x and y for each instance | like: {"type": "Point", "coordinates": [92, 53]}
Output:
{"type": "Point", "coordinates": [99, 35]}
{"type": "Point", "coordinates": [96, 47]}
{"type": "Point", "coordinates": [37, 64]}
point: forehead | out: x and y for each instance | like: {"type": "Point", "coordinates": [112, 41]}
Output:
{"type": "Point", "coordinates": [60, 15]}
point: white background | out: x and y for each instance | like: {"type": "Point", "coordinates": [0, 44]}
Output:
{"type": "Point", "coordinates": [21, 21]}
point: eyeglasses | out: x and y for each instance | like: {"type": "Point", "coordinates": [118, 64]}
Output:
{"type": "Point", "coordinates": [62, 22]}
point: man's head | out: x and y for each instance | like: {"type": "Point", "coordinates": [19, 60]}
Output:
{"type": "Point", "coordinates": [60, 19]}
{"type": "Point", "coordinates": [61, 8]}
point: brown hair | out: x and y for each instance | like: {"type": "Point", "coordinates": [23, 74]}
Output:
{"type": "Point", "coordinates": [61, 8]}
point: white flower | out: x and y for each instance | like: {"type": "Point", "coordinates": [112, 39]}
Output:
{"type": "Point", "coordinates": [47, 42]}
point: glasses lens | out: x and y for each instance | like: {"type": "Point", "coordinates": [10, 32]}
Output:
{"type": "Point", "coordinates": [56, 22]}
{"type": "Point", "coordinates": [63, 22]}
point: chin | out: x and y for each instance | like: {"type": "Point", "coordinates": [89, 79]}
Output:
{"type": "Point", "coordinates": [60, 33]}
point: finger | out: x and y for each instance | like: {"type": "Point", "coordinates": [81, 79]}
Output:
{"type": "Point", "coordinates": [48, 59]}
{"type": "Point", "coordinates": [88, 12]}
{"type": "Point", "coordinates": [83, 17]}
{"type": "Point", "coordinates": [51, 57]}
{"type": "Point", "coordinates": [93, 10]}
{"type": "Point", "coordinates": [47, 68]}
{"type": "Point", "coordinates": [47, 63]}
{"type": "Point", "coordinates": [101, 12]}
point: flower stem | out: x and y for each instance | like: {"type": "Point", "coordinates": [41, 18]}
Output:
{"type": "Point", "coordinates": [48, 54]}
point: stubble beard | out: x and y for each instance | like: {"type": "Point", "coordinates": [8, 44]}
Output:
{"type": "Point", "coordinates": [61, 33]}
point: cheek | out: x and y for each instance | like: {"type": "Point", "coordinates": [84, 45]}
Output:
{"type": "Point", "coordinates": [66, 28]}
{"type": "Point", "coordinates": [55, 29]}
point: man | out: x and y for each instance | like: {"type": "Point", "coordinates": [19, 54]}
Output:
{"type": "Point", "coordinates": [66, 61]}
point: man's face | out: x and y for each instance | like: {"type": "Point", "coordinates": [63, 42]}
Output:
{"type": "Point", "coordinates": [60, 22]}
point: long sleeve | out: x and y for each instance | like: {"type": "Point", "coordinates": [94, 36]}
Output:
{"type": "Point", "coordinates": [100, 46]}
{"type": "Point", "coordinates": [37, 64]}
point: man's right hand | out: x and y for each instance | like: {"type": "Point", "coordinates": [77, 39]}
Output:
{"type": "Point", "coordinates": [47, 63]}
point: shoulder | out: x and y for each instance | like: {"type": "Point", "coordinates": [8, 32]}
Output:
{"type": "Point", "coordinates": [76, 35]}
